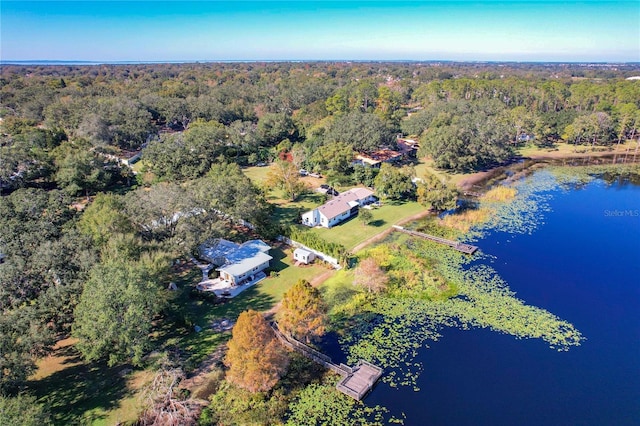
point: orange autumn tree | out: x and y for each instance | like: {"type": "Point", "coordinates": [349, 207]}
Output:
{"type": "Point", "coordinates": [371, 276]}
{"type": "Point", "coordinates": [255, 358]}
{"type": "Point", "coordinates": [303, 313]}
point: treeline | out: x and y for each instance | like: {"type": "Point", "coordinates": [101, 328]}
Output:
{"type": "Point", "coordinates": [466, 124]}
{"type": "Point", "coordinates": [56, 120]}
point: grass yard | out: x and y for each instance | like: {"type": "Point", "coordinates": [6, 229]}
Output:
{"type": "Point", "coordinates": [87, 393]}
{"type": "Point", "coordinates": [287, 212]}
{"type": "Point", "coordinates": [427, 166]}
{"type": "Point", "coordinates": [352, 232]}
{"type": "Point", "coordinates": [262, 297]}
{"type": "Point", "coordinates": [338, 289]}
{"type": "Point", "coordinates": [258, 175]}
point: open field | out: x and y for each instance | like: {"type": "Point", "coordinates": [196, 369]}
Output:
{"type": "Point", "coordinates": [426, 165]}
{"type": "Point", "coordinates": [258, 176]}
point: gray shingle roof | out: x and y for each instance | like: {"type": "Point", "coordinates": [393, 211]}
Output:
{"type": "Point", "coordinates": [341, 203]}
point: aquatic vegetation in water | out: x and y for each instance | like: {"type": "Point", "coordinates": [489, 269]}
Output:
{"type": "Point", "coordinates": [488, 302]}
{"type": "Point", "coordinates": [500, 193]}
{"type": "Point", "coordinates": [524, 213]}
{"type": "Point", "coordinates": [323, 404]}
{"type": "Point", "coordinates": [466, 219]}
{"type": "Point", "coordinates": [570, 177]}
{"type": "Point", "coordinates": [404, 324]}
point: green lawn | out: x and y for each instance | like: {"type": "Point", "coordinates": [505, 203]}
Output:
{"type": "Point", "coordinates": [79, 392]}
{"type": "Point", "coordinates": [353, 232]}
{"type": "Point", "coordinates": [287, 212]}
{"type": "Point", "coordinates": [427, 166]}
{"type": "Point", "coordinates": [339, 288]}
{"type": "Point", "coordinates": [257, 174]}
{"type": "Point", "coordinates": [349, 233]}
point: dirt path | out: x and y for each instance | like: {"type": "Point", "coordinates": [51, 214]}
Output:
{"type": "Point", "coordinates": [198, 377]}
{"type": "Point", "coordinates": [382, 235]}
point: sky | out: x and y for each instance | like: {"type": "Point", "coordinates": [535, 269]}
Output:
{"type": "Point", "coordinates": [594, 31]}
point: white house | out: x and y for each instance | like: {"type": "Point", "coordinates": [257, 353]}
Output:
{"type": "Point", "coordinates": [303, 256]}
{"type": "Point", "coordinates": [237, 263]}
{"type": "Point", "coordinates": [339, 208]}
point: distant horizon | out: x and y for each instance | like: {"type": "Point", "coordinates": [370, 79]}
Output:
{"type": "Point", "coordinates": [227, 61]}
{"type": "Point", "coordinates": [561, 31]}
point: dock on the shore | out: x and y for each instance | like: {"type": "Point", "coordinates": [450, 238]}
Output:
{"type": "Point", "coordinates": [461, 247]}
{"type": "Point", "coordinates": [360, 379]}
{"type": "Point", "coordinates": [356, 381]}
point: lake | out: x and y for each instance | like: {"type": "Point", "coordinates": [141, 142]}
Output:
{"type": "Point", "coordinates": [582, 263]}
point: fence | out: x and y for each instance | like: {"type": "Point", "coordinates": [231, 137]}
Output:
{"type": "Point", "coordinates": [322, 256]}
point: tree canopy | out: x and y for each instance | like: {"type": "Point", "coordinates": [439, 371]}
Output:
{"type": "Point", "coordinates": [303, 313]}
{"type": "Point", "coordinates": [370, 276]}
{"type": "Point", "coordinates": [114, 317]}
{"type": "Point", "coordinates": [436, 194]}
{"type": "Point", "coordinates": [285, 176]}
{"type": "Point", "coordinates": [362, 131]}
{"type": "Point", "coordinates": [255, 358]}
{"type": "Point", "coordinates": [23, 410]}
{"type": "Point", "coordinates": [465, 138]}
{"type": "Point", "coordinates": [394, 183]}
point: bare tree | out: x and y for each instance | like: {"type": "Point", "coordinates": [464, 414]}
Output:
{"type": "Point", "coordinates": [370, 276]}
{"type": "Point", "coordinates": [167, 405]}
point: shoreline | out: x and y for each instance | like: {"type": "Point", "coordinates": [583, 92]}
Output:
{"type": "Point", "coordinates": [474, 179]}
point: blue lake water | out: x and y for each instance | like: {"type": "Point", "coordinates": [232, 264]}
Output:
{"type": "Point", "coordinates": [583, 265]}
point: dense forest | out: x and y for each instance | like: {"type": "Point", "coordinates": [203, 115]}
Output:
{"type": "Point", "coordinates": [78, 225]}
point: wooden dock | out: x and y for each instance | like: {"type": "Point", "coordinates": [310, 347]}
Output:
{"type": "Point", "coordinates": [461, 247]}
{"type": "Point", "coordinates": [360, 381]}
{"type": "Point", "coordinates": [356, 382]}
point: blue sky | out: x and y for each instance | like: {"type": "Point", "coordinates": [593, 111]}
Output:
{"type": "Point", "coordinates": [290, 30]}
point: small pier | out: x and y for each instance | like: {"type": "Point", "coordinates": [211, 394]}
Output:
{"type": "Point", "coordinates": [356, 381]}
{"type": "Point", "coordinates": [461, 247]}
{"type": "Point", "coordinates": [360, 379]}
